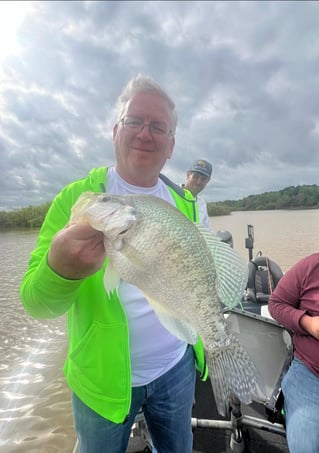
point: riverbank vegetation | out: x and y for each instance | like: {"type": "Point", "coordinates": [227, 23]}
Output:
{"type": "Point", "coordinates": [294, 197]}
{"type": "Point", "coordinates": [30, 217]}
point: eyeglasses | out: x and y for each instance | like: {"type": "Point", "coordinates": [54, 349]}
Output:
{"type": "Point", "coordinates": [137, 124]}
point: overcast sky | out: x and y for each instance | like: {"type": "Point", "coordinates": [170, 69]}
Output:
{"type": "Point", "coordinates": [244, 76]}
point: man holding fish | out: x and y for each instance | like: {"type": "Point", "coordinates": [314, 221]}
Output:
{"type": "Point", "coordinates": [120, 263]}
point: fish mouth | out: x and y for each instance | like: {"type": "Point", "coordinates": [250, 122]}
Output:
{"type": "Point", "coordinates": [120, 221]}
{"type": "Point", "coordinates": [126, 228]}
{"type": "Point", "coordinates": [117, 234]}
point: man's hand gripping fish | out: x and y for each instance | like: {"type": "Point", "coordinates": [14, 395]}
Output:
{"type": "Point", "coordinates": [185, 274]}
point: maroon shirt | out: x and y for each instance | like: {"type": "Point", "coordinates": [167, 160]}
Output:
{"type": "Point", "coordinates": [296, 294]}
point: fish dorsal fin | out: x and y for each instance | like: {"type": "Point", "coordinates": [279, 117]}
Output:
{"type": "Point", "coordinates": [231, 269]}
{"type": "Point", "coordinates": [177, 327]}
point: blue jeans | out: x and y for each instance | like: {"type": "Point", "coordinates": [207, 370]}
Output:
{"type": "Point", "coordinates": [300, 388]}
{"type": "Point", "coordinates": [167, 406]}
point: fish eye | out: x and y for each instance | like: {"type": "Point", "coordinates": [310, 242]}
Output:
{"type": "Point", "coordinates": [104, 199]}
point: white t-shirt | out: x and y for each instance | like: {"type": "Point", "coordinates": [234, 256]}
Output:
{"type": "Point", "coordinates": [153, 349]}
{"type": "Point", "coordinates": [202, 211]}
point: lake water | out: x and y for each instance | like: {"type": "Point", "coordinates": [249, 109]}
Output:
{"type": "Point", "coordinates": [35, 409]}
{"type": "Point", "coordinates": [283, 236]}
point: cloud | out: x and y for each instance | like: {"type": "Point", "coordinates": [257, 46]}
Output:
{"type": "Point", "coordinates": [244, 76]}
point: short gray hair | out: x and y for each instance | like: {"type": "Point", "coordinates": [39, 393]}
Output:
{"type": "Point", "coordinates": [142, 84]}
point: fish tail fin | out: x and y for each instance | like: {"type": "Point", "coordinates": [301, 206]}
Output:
{"type": "Point", "coordinates": [232, 372]}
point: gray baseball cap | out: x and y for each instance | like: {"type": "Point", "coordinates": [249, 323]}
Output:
{"type": "Point", "coordinates": [202, 166]}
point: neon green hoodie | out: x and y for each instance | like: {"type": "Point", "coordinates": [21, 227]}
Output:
{"type": "Point", "coordinates": [97, 367]}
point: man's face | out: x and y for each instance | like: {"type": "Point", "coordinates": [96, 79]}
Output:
{"type": "Point", "coordinates": [141, 152]}
{"type": "Point", "coordinates": [196, 182]}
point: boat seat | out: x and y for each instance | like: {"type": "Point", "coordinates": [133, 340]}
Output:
{"type": "Point", "coordinates": [263, 276]}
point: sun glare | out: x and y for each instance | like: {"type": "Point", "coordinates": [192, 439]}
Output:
{"type": "Point", "coordinates": [12, 14]}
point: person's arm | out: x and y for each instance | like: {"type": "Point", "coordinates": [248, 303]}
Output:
{"type": "Point", "coordinates": [63, 256]}
{"type": "Point", "coordinates": [310, 324]}
{"type": "Point", "coordinates": [285, 304]}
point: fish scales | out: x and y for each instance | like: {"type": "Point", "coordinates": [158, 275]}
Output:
{"type": "Point", "coordinates": [185, 273]}
{"type": "Point", "coordinates": [168, 260]}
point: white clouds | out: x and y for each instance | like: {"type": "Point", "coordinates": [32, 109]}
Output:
{"type": "Point", "coordinates": [279, 85]}
{"type": "Point", "coordinates": [244, 76]}
{"type": "Point", "coordinates": [12, 14]}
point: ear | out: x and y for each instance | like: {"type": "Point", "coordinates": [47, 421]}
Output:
{"type": "Point", "coordinates": [115, 128]}
{"type": "Point", "coordinates": [171, 147]}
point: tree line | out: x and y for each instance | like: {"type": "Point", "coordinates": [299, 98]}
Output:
{"type": "Point", "coordinates": [30, 217]}
{"type": "Point", "coordinates": [293, 197]}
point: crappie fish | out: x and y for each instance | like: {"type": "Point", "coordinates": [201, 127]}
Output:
{"type": "Point", "coordinates": [185, 273]}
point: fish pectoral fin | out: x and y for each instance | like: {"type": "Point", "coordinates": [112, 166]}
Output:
{"type": "Point", "coordinates": [231, 269]}
{"type": "Point", "coordinates": [177, 327]}
{"type": "Point", "coordinates": [111, 278]}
